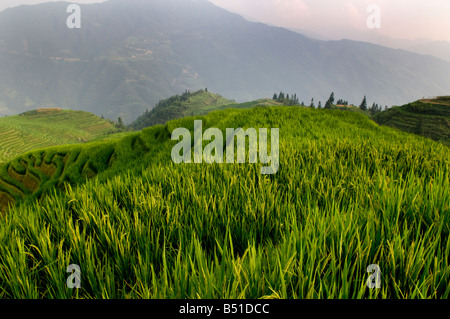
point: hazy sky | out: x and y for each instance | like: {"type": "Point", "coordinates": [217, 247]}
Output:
{"type": "Point", "coordinates": [409, 19]}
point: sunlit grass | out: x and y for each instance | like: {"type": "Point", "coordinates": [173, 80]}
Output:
{"type": "Point", "coordinates": [348, 194]}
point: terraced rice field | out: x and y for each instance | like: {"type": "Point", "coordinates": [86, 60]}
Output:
{"type": "Point", "coordinates": [348, 194]}
{"type": "Point", "coordinates": [48, 127]}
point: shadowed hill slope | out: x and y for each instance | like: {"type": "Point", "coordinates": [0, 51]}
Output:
{"type": "Point", "coordinates": [187, 104]}
{"type": "Point", "coordinates": [429, 118]}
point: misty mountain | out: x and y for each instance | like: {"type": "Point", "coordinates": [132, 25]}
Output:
{"type": "Point", "coordinates": [129, 54]}
{"type": "Point", "coordinates": [439, 49]}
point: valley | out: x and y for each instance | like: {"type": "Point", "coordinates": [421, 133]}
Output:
{"type": "Point", "coordinates": [161, 49]}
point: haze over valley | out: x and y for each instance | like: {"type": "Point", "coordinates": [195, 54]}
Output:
{"type": "Point", "coordinates": [153, 49]}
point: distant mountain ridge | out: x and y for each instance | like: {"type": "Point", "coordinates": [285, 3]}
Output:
{"type": "Point", "coordinates": [439, 49]}
{"type": "Point", "coordinates": [129, 55]}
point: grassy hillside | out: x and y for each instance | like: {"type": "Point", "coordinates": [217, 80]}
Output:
{"type": "Point", "coordinates": [177, 106]}
{"type": "Point", "coordinates": [429, 118]}
{"type": "Point", "coordinates": [48, 127]}
{"type": "Point", "coordinates": [348, 194]}
{"type": "Point", "coordinates": [248, 105]}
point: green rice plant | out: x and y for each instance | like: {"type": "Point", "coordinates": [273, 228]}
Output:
{"type": "Point", "coordinates": [346, 196]}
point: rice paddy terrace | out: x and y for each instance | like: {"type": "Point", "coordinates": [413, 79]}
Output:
{"type": "Point", "coordinates": [349, 193]}
{"type": "Point", "coordinates": [428, 117]}
{"type": "Point", "coordinates": [48, 127]}
{"type": "Point", "coordinates": [40, 171]}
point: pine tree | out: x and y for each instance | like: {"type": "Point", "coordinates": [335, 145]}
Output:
{"type": "Point", "coordinates": [363, 105]}
{"type": "Point", "coordinates": [373, 109]}
{"type": "Point", "coordinates": [330, 101]}
{"type": "Point", "coordinates": [295, 100]}
{"type": "Point", "coordinates": [275, 97]}
{"type": "Point", "coordinates": [312, 104]}
{"type": "Point", "coordinates": [320, 105]}
{"type": "Point", "coordinates": [120, 124]}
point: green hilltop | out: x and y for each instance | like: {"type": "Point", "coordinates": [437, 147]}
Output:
{"type": "Point", "coordinates": [428, 117]}
{"type": "Point", "coordinates": [187, 104]}
{"type": "Point", "coordinates": [349, 193]}
{"type": "Point", "coordinates": [197, 103]}
{"type": "Point", "coordinates": [48, 127]}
